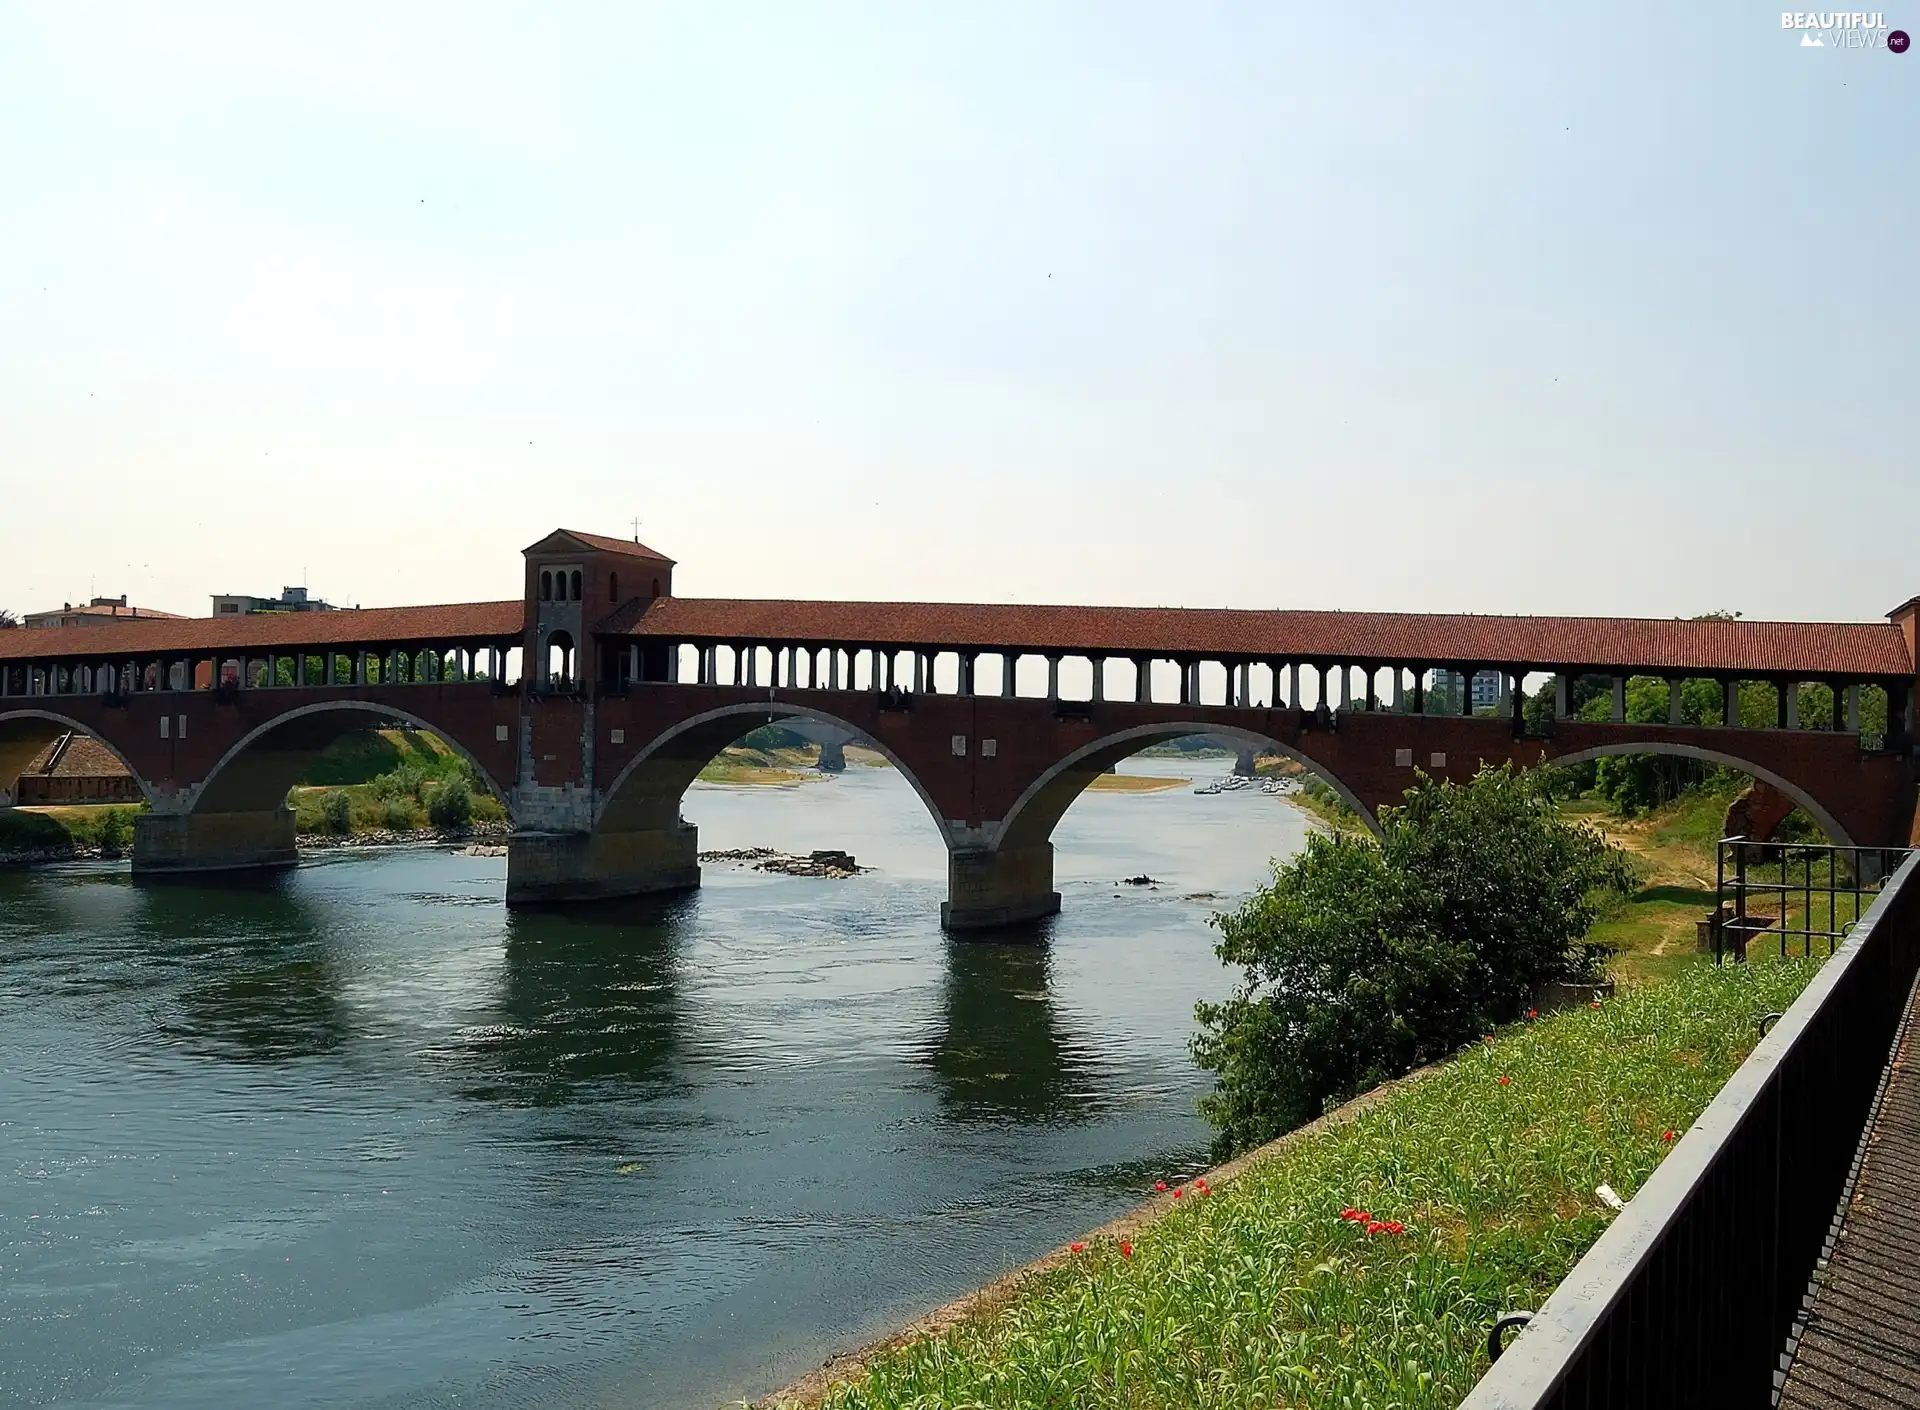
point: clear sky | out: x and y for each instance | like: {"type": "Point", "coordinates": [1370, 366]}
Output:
{"type": "Point", "coordinates": [1487, 308]}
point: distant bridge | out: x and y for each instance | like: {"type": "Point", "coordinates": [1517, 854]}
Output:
{"type": "Point", "coordinates": [592, 703]}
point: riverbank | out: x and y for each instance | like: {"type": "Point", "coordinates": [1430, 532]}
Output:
{"type": "Point", "coordinates": [1487, 1163]}
{"type": "Point", "coordinates": [79, 841]}
{"type": "Point", "coordinates": [1358, 1260]}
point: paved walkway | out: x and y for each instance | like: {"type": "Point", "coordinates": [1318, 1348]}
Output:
{"type": "Point", "coordinates": [1862, 1343]}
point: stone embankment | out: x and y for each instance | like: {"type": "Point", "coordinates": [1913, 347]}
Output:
{"type": "Point", "coordinates": [483, 839]}
{"type": "Point", "coordinates": [43, 856]}
{"type": "Point", "coordinates": [828, 863]}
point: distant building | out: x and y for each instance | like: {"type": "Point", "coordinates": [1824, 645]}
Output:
{"type": "Point", "coordinates": [291, 599]}
{"type": "Point", "coordinates": [98, 612]}
{"type": "Point", "coordinates": [1444, 686]}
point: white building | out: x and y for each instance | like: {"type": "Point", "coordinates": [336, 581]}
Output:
{"type": "Point", "coordinates": [1444, 686]}
{"type": "Point", "coordinates": [291, 599]}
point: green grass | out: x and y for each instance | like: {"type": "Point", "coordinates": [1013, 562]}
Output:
{"type": "Point", "coordinates": [373, 808]}
{"type": "Point", "coordinates": [741, 763]}
{"type": "Point", "coordinates": [362, 756]}
{"type": "Point", "coordinates": [389, 777]}
{"type": "Point", "coordinates": [1261, 1295]}
{"type": "Point", "coordinates": [63, 829]}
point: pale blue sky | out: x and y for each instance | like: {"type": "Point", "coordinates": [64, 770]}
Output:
{"type": "Point", "coordinates": [1423, 307]}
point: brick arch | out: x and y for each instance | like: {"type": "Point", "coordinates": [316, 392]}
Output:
{"type": "Point", "coordinates": [647, 792]}
{"type": "Point", "coordinates": [254, 774]}
{"type": "Point", "coordinates": [1044, 802]}
{"type": "Point", "coordinates": [14, 740]}
{"type": "Point", "coordinates": [1802, 799]}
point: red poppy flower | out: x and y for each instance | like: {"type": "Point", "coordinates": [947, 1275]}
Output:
{"type": "Point", "coordinates": [1126, 1249]}
{"type": "Point", "coordinates": [1394, 1226]}
{"type": "Point", "coordinates": [1077, 1248]}
{"type": "Point", "coordinates": [1362, 1216]}
{"type": "Point", "coordinates": [1374, 1226]}
{"type": "Point", "coordinates": [1596, 1003]}
{"type": "Point", "coordinates": [1488, 1038]}
{"type": "Point", "coordinates": [1667, 1137]}
{"type": "Point", "coordinates": [1533, 1013]}
{"type": "Point", "coordinates": [1504, 1080]}
{"type": "Point", "coordinates": [1200, 1182]}
{"type": "Point", "coordinates": [1160, 1184]}
{"type": "Point", "coordinates": [1177, 1192]}
{"type": "Point", "coordinates": [1349, 1213]}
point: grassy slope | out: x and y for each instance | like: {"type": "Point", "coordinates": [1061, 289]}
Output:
{"type": "Point", "coordinates": [58, 829]}
{"type": "Point", "coordinates": [357, 763]}
{"type": "Point", "coordinates": [1261, 1295]}
{"type": "Point", "coordinates": [739, 764]}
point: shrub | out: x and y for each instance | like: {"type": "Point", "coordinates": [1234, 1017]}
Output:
{"type": "Point", "coordinates": [397, 816]}
{"type": "Point", "coordinates": [337, 813]}
{"type": "Point", "coordinates": [406, 781]}
{"type": "Point", "coordinates": [452, 805]}
{"type": "Point", "coordinates": [116, 831]}
{"type": "Point", "coordinates": [1364, 959]}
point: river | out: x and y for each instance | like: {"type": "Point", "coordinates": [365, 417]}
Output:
{"type": "Point", "coordinates": [357, 1136]}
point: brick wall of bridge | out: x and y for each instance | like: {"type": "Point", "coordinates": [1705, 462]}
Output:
{"type": "Point", "coordinates": [1373, 756]}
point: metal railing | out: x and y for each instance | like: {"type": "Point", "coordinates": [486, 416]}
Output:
{"type": "Point", "coordinates": [1793, 890]}
{"type": "Point", "coordinates": [1691, 1295]}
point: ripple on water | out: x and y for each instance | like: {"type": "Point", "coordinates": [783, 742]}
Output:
{"type": "Point", "coordinates": [360, 1137]}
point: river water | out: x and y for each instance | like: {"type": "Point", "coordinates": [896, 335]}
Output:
{"type": "Point", "coordinates": [356, 1136]}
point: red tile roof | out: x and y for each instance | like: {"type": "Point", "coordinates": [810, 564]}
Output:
{"type": "Point", "coordinates": [374, 626]}
{"type": "Point", "coordinates": [1763, 648]}
{"type": "Point", "coordinates": [1806, 649]}
{"type": "Point", "coordinates": [107, 610]}
{"type": "Point", "coordinates": [633, 548]}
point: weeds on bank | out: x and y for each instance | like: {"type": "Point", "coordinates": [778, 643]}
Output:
{"type": "Point", "coordinates": [68, 829]}
{"type": "Point", "coordinates": [1262, 1294]}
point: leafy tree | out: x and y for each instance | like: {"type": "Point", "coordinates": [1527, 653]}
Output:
{"type": "Point", "coordinates": [452, 805]}
{"type": "Point", "coordinates": [7, 619]}
{"type": "Point", "coordinates": [1364, 959]}
{"type": "Point", "coordinates": [337, 812]}
{"type": "Point", "coordinates": [774, 737]}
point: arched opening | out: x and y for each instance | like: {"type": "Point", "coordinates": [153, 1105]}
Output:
{"type": "Point", "coordinates": [575, 585]}
{"type": "Point", "coordinates": [1573, 766]}
{"type": "Point", "coordinates": [613, 587]}
{"type": "Point", "coordinates": [546, 586]}
{"type": "Point", "coordinates": [656, 587]}
{"type": "Point", "coordinates": [1208, 844]}
{"type": "Point", "coordinates": [649, 793]}
{"type": "Point", "coordinates": [27, 740]}
{"type": "Point", "coordinates": [378, 754]}
{"type": "Point", "coordinates": [1032, 817]}
{"type": "Point", "coordinates": [559, 659]}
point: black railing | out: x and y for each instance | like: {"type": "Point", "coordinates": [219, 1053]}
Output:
{"type": "Point", "coordinates": [1691, 1295]}
{"type": "Point", "coordinates": [1810, 892]}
